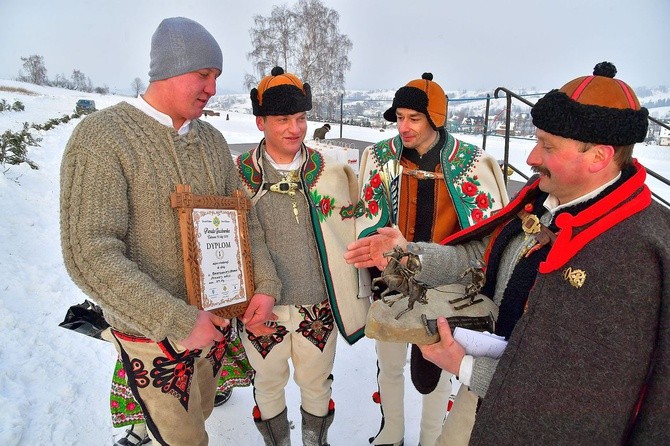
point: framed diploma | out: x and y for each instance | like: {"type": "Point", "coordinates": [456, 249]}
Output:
{"type": "Point", "coordinates": [217, 251]}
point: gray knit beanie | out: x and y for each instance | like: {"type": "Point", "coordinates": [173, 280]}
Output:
{"type": "Point", "coordinates": [181, 45]}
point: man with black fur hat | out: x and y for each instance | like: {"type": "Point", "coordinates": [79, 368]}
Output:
{"type": "Point", "coordinates": [306, 203]}
{"type": "Point", "coordinates": [579, 263]}
{"type": "Point", "coordinates": [446, 185]}
{"type": "Point", "coordinates": [121, 238]}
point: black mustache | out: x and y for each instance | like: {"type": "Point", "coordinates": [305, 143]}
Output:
{"type": "Point", "coordinates": [541, 170]}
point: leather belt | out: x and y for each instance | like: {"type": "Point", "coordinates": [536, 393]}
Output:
{"type": "Point", "coordinates": [423, 174]}
{"type": "Point", "coordinates": [288, 188]}
{"type": "Point", "coordinates": [283, 186]}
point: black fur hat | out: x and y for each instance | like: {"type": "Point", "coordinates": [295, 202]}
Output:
{"type": "Point", "coordinates": [596, 109]}
{"type": "Point", "coordinates": [280, 94]}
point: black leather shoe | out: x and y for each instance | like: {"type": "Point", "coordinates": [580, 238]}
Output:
{"type": "Point", "coordinates": [401, 443]}
{"type": "Point", "coordinates": [134, 438]}
{"type": "Point", "coordinates": [221, 398]}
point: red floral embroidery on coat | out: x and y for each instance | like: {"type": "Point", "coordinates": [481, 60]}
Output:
{"type": "Point", "coordinates": [474, 199]}
{"type": "Point", "coordinates": [469, 189]}
{"type": "Point", "coordinates": [375, 181]}
{"type": "Point", "coordinates": [483, 201]}
{"type": "Point", "coordinates": [368, 193]}
{"type": "Point", "coordinates": [477, 215]}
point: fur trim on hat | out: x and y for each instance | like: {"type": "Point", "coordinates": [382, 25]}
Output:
{"type": "Point", "coordinates": [422, 95]}
{"type": "Point", "coordinates": [595, 109]}
{"type": "Point", "coordinates": [559, 115]}
{"type": "Point", "coordinates": [408, 97]}
{"type": "Point", "coordinates": [280, 94]}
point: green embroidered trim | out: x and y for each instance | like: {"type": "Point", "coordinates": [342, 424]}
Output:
{"type": "Point", "coordinates": [460, 157]}
{"type": "Point", "coordinates": [313, 167]}
{"type": "Point", "coordinates": [250, 176]}
{"type": "Point", "coordinates": [353, 210]}
{"type": "Point", "coordinates": [386, 150]}
{"type": "Point", "coordinates": [328, 279]}
{"type": "Point", "coordinates": [468, 198]}
{"type": "Point", "coordinates": [373, 199]}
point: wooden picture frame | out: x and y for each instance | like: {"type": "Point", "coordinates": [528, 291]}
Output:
{"type": "Point", "coordinates": [217, 251]}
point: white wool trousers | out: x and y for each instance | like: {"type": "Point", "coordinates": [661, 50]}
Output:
{"type": "Point", "coordinates": [306, 336]}
{"type": "Point", "coordinates": [391, 362]}
{"type": "Point", "coordinates": [460, 421]}
{"type": "Point", "coordinates": [174, 386]}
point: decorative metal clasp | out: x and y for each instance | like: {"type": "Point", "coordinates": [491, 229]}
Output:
{"type": "Point", "coordinates": [530, 224]}
{"type": "Point", "coordinates": [284, 187]}
{"type": "Point", "coordinates": [288, 186]}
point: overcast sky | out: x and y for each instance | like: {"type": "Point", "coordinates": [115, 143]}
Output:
{"type": "Point", "coordinates": [466, 44]}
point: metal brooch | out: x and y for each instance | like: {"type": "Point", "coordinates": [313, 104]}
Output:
{"type": "Point", "coordinates": [575, 277]}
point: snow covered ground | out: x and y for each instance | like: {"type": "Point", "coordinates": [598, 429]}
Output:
{"type": "Point", "coordinates": [54, 383]}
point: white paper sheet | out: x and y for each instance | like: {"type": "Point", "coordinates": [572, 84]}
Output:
{"type": "Point", "coordinates": [477, 343]}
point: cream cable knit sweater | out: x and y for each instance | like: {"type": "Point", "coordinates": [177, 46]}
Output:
{"type": "Point", "coordinates": [120, 237]}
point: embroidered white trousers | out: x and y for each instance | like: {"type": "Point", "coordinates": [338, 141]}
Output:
{"type": "Point", "coordinates": [174, 386]}
{"type": "Point", "coordinates": [391, 360]}
{"type": "Point", "coordinates": [306, 336]}
{"type": "Point", "coordinates": [460, 421]}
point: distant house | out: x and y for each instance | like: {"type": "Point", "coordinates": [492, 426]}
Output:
{"type": "Point", "coordinates": [453, 125]}
{"type": "Point", "coordinates": [501, 128]}
{"type": "Point", "coordinates": [473, 124]}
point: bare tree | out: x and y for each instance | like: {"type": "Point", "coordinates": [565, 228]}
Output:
{"type": "Point", "coordinates": [304, 40]}
{"type": "Point", "coordinates": [273, 39]}
{"type": "Point", "coordinates": [62, 82]}
{"type": "Point", "coordinates": [102, 90]}
{"type": "Point", "coordinates": [138, 86]}
{"type": "Point", "coordinates": [323, 58]}
{"type": "Point", "coordinates": [37, 72]}
{"type": "Point", "coordinates": [81, 82]}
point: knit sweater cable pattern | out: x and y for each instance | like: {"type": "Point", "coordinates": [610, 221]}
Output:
{"type": "Point", "coordinates": [120, 237]}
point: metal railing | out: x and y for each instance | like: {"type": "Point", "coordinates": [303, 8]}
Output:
{"type": "Point", "coordinates": [660, 178]}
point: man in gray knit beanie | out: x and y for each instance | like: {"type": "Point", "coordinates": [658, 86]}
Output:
{"type": "Point", "coordinates": [181, 45]}
{"type": "Point", "coordinates": [121, 238]}
{"type": "Point", "coordinates": [181, 50]}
